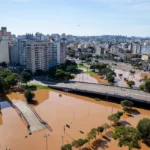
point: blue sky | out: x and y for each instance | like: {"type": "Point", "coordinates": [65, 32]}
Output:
{"type": "Point", "coordinates": [94, 17]}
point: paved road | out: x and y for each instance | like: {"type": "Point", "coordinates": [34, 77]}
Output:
{"type": "Point", "coordinates": [85, 78]}
{"type": "Point", "coordinates": [110, 90]}
{"type": "Point", "coordinates": [30, 116]}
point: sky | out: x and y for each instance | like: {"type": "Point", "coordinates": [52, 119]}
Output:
{"type": "Point", "coordinates": [77, 17]}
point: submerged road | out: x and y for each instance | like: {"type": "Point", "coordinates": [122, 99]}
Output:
{"type": "Point", "coordinates": [113, 91]}
{"type": "Point", "coordinates": [31, 118]}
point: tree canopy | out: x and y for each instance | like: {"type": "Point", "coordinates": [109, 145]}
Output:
{"type": "Point", "coordinates": [100, 129]}
{"type": "Point", "coordinates": [78, 143]}
{"type": "Point", "coordinates": [92, 134]}
{"type": "Point", "coordinates": [144, 129]}
{"type": "Point", "coordinates": [130, 83]}
{"type": "Point", "coordinates": [63, 71]}
{"type": "Point", "coordinates": [127, 136]}
{"type": "Point", "coordinates": [145, 86]}
{"type": "Point", "coordinates": [66, 147]}
{"type": "Point", "coordinates": [7, 80]}
{"type": "Point", "coordinates": [115, 117]}
{"type": "Point", "coordinates": [3, 64]}
{"type": "Point", "coordinates": [26, 76]}
{"type": "Point", "coordinates": [29, 95]}
{"type": "Point", "coordinates": [126, 103]}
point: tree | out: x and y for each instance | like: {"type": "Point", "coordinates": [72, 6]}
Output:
{"type": "Point", "coordinates": [144, 129]}
{"type": "Point", "coordinates": [126, 104]}
{"type": "Point", "coordinates": [3, 85]}
{"type": "Point", "coordinates": [3, 65]}
{"type": "Point", "coordinates": [142, 87]}
{"type": "Point", "coordinates": [130, 83]}
{"type": "Point", "coordinates": [111, 79]}
{"type": "Point", "coordinates": [127, 136]}
{"type": "Point", "coordinates": [114, 118]}
{"type": "Point", "coordinates": [78, 143]}
{"type": "Point", "coordinates": [147, 85]}
{"type": "Point", "coordinates": [105, 126]}
{"type": "Point", "coordinates": [66, 147]}
{"type": "Point", "coordinates": [29, 95]}
{"type": "Point", "coordinates": [26, 77]}
{"type": "Point", "coordinates": [100, 129]}
{"type": "Point", "coordinates": [82, 58]}
{"type": "Point", "coordinates": [92, 134]}
{"type": "Point", "coordinates": [12, 80]}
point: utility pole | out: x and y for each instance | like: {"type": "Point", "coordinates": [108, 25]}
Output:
{"type": "Point", "coordinates": [46, 136]}
{"type": "Point", "coordinates": [62, 140]}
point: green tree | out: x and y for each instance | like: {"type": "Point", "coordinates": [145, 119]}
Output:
{"type": "Point", "coordinates": [130, 83]}
{"type": "Point", "coordinates": [3, 64]}
{"type": "Point", "coordinates": [12, 80]}
{"type": "Point", "coordinates": [82, 58]}
{"type": "Point", "coordinates": [29, 95]}
{"type": "Point", "coordinates": [26, 77]}
{"type": "Point", "coordinates": [111, 79]}
{"type": "Point", "coordinates": [66, 147]}
{"type": "Point", "coordinates": [147, 85]}
{"type": "Point", "coordinates": [142, 87]}
{"type": "Point", "coordinates": [127, 136]}
{"type": "Point", "coordinates": [144, 129]}
{"type": "Point", "coordinates": [100, 129]}
{"type": "Point", "coordinates": [3, 85]}
{"type": "Point", "coordinates": [105, 126]}
{"type": "Point", "coordinates": [92, 134]}
{"type": "Point", "coordinates": [126, 104]}
{"type": "Point", "coordinates": [114, 118]}
{"type": "Point", "coordinates": [78, 143]}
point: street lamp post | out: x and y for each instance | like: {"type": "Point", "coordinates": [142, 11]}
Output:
{"type": "Point", "coordinates": [46, 136]}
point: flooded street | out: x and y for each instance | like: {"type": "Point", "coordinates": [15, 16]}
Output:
{"type": "Point", "coordinates": [80, 113]}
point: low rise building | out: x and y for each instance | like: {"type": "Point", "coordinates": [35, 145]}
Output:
{"type": "Point", "coordinates": [4, 35]}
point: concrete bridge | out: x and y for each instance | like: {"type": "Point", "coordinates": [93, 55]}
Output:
{"type": "Point", "coordinates": [32, 119]}
{"type": "Point", "coordinates": [113, 91]}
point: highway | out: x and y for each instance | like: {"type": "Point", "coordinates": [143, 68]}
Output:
{"type": "Point", "coordinates": [113, 91]}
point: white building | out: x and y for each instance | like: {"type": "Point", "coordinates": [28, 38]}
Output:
{"type": "Point", "coordinates": [100, 50]}
{"type": "Point", "coordinates": [61, 52]}
{"type": "Point", "coordinates": [41, 55]}
{"type": "Point", "coordinates": [4, 51]}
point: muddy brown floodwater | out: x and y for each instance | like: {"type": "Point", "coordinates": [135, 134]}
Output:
{"type": "Point", "coordinates": [79, 112]}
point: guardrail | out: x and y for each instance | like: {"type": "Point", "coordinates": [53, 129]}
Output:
{"type": "Point", "coordinates": [99, 92]}
{"type": "Point", "coordinates": [21, 114]}
{"type": "Point", "coordinates": [56, 81]}
{"type": "Point", "coordinates": [43, 122]}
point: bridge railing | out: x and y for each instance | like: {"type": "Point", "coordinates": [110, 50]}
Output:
{"type": "Point", "coordinates": [22, 116]}
{"type": "Point", "coordinates": [43, 122]}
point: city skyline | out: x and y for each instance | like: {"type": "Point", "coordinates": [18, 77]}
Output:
{"type": "Point", "coordinates": [79, 17]}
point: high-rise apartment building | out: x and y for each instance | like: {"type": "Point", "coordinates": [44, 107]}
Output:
{"type": "Point", "coordinates": [22, 51]}
{"type": "Point", "coordinates": [40, 55]}
{"type": "Point", "coordinates": [61, 52]}
{"type": "Point", "coordinates": [14, 53]}
{"type": "Point", "coordinates": [4, 51]}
